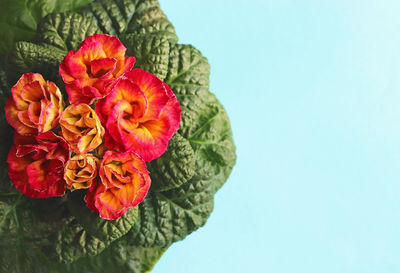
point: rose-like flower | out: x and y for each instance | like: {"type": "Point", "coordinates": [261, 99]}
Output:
{"type": "Point", "coordinates": [91, 71]}
{"type": "Point", "coordinates": [34, 106]}
{"type": "Point", "coordinates": [80, 171]}
{"type": "Point", "coordinates": [140, 114]}
{"type": "Point", "coordinates": [36, 164]}
{"type": "Point", "coordinates": [124, 183]}
{"type": "Point", "coordinates": [81, 128]}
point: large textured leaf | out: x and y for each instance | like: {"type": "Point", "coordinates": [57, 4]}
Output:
{"type": "Point", "coordinates": [72, 241]}
{"type": "Point", "coordinates": [167, 217]}
{"type": "Point", "coordinates": [65, 31]}
{"type": "Point", "coordinates": [188, 77]}
{"type": "Point", "coordinates": [19, 18]}
{"type": "Point", "coordinates": [26, 227]}
{"type": "Point", "coordinates": [117, 17]}
{"type": "Point", "coordinates": [150, 19]}
{"type": "Point", "coordinates": [204, 123]}
{"type": "Point", "coordinates": [111, 16]}
{"type": "Point", "coordinates": [174, 167]}
{"type": "Point", "coordinates": [151, 52]}
{"type": "Point", "coordinates": [28, 57]}
{"type": "Point", "coordinates": [119, 257]}
{"type": "Point", "coordinates": [213, 143]}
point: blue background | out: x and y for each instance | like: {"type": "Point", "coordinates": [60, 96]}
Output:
{"type": "Point", "coordinates": [313, 92]}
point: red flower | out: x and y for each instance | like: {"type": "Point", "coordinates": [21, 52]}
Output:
{"type": "Point", "coordinates": [91, 71]}
{"type": "Point", "coordinates": [36, 164]}
{"type": "Point", "coordinates": [35, 105]}
{"type": "Point", "coordinates": [140, 114]}
{"type": "Point", "coordinates": [124, 183]}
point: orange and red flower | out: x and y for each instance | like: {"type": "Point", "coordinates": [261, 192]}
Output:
{"type": "Point", "coordinates": [81, 128]}
{"type": "Point", "coordinates": [80, 171]}
{"type": "Point", "coordinates": [36, 164]}
{"type": "Point", "coordinates": [140, 114]}
{"type": "Point", "coordinates": [124, 182]}
{"type": "Point", "coordinates": [35, 105]}
{"type": "Point", "coordinates": [91, 71]}
{"type": "Point", "coordinates": [135, 112]}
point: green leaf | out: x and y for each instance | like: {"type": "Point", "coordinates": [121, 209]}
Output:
{"type": "Point", "coordinates": [111, 16]}
{"type": "Point", "coordinates": [119, 257]}
{"type": "Point", "coordinates": [26, 227]}
{"type": "Point", "coordinates": [204, 122]}
{"type": "Point", "coordinates": [174, 167]}
{"type": "Point", "coordinates": [188, 71]}
{"type": "Point", "coordinates": [188, 77]}
{"type": "Point", "coordinates": [28, 57]}
{"type": "Point", "coordinates": [65, 31]}
{"type": "Point", "coordinates": [150, 19]}
{"type": "Point", "coordinates": [167, 217]}
{"type": "Point", "coordinates": [213, 143]}
{"type": "Point", "coordinates": [151, 52]}
{"type": "Point", "coordinates": [19, 18]}
{"type": "Point", "coordinates": [117, 17]}
{"type": "Point", "coordinates": [72, 241]}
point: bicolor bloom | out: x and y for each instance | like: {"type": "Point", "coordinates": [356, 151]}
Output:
{"type": "Point", "coordinates": [90, 72]}
{"type": "Point", "coordinates": [124, 182]}
{"type": "Point", "coordinates": [80, 171]}
{"type": "Point", "coordinates": [140, 114]}
{"type": "Point", "coordinates": [34, 106]}
{"type": "Point", "coordinates": [36, 164]}
{"type": "Point", "coordinates": [81, 128]}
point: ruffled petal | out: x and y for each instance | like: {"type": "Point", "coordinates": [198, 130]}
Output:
{"type": "Point", "coordinates": [124, 66]}
{"type": "Point", "coordinates": [110, 201]}
{"type": "Point", "coordinates": [153, 89]}
{"type": "Point", "coordinates": [111, 45]}
{"type": "Point", "coordinates": [102, 67]}
{"type": "Point", "coordinates": [11, 113]}
{"type": "Point", "coordinates": [24, 172]}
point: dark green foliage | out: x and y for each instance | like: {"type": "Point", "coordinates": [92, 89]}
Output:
{"type": "Point", "coordinates": [151, 52]}
{"type": "Point", "coordinates": [174, 167]}
{"type": "Point", "coordinates": [65, 31]}
{"type": "Point", "coordinates": [19, 18]}
{"type": "Point", "coordinates": [29, 57]}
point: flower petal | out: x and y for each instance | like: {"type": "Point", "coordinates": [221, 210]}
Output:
{"type": "Point", "coordinates": [153, 89]}
{"type": "Point", "coordinates": [11, 113]}
{"type": "Point", "coordinates": [90, 198]}
{"type": "Point", "coordinates": [110, 201]}
{"type": "Point", "coordinates": [19, 175]}
{"type": "Point", "coordinates": [102, 67]}
{"type": "Point", "coordinates": [111, 45]}
{"type": "Point", "coordinates": [124, 66]}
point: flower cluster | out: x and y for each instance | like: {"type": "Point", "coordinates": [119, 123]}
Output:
{"type": "Point", "coordinates": [117, 118]}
